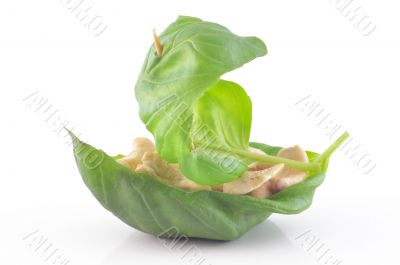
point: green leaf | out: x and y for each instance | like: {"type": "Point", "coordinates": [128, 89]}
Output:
{"type": "Point", "coordinates": [153, 207]}
{"type": "Point", "coordinates": [195, 54]}
{"type": "Point", "coordinates": [226, 110]}
{"type": "Point", "coordinates": [221, 122]}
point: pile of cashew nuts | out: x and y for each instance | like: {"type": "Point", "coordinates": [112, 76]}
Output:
{"type": "Point", "coordinates": [261, 180]}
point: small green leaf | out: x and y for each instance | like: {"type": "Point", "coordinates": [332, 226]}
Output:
{"type": "Point", "coordinates": [225, 109]}
{"type": "Point", "coordinates": [221, 122]}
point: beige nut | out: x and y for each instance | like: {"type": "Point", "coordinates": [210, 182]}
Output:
{"type": "Point", "coordinates": [140, 146]}
{"type": "Point", "coordinates": [251, 180]}
{"type": "Point", "coordinates": [290, 176]}
{"type": "Point", "coordinates": [286, 177]}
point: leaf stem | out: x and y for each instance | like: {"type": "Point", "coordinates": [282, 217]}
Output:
{"type": "Point", "coordinates": [314, 165]}
{"type": "Point", "coordinates": [277, 160]}
{"type": "Point", "coordinates": [332, 148]}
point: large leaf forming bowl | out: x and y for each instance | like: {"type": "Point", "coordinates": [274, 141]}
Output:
{"type": "Point", "coordinates": [153, 207]}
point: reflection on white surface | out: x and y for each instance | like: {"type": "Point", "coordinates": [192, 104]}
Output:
{"type": "Point", "coordinates": [265, 242]}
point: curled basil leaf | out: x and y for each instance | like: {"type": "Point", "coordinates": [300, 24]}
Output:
{"type": "Point", "coordinates": [195, 54]}
{"type": "Point", "coordinates": [153, 207]}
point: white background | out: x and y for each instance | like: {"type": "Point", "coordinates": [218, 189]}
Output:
{"type": "Point", "coordinates": [313, 50]}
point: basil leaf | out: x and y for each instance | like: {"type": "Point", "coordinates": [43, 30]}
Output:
{"type": "Point", "coordinates": [148, 205]}
{"type": "Point", "coordinates": [221, 122]}
{"type": "Point", "coordinates": [195, 54]}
